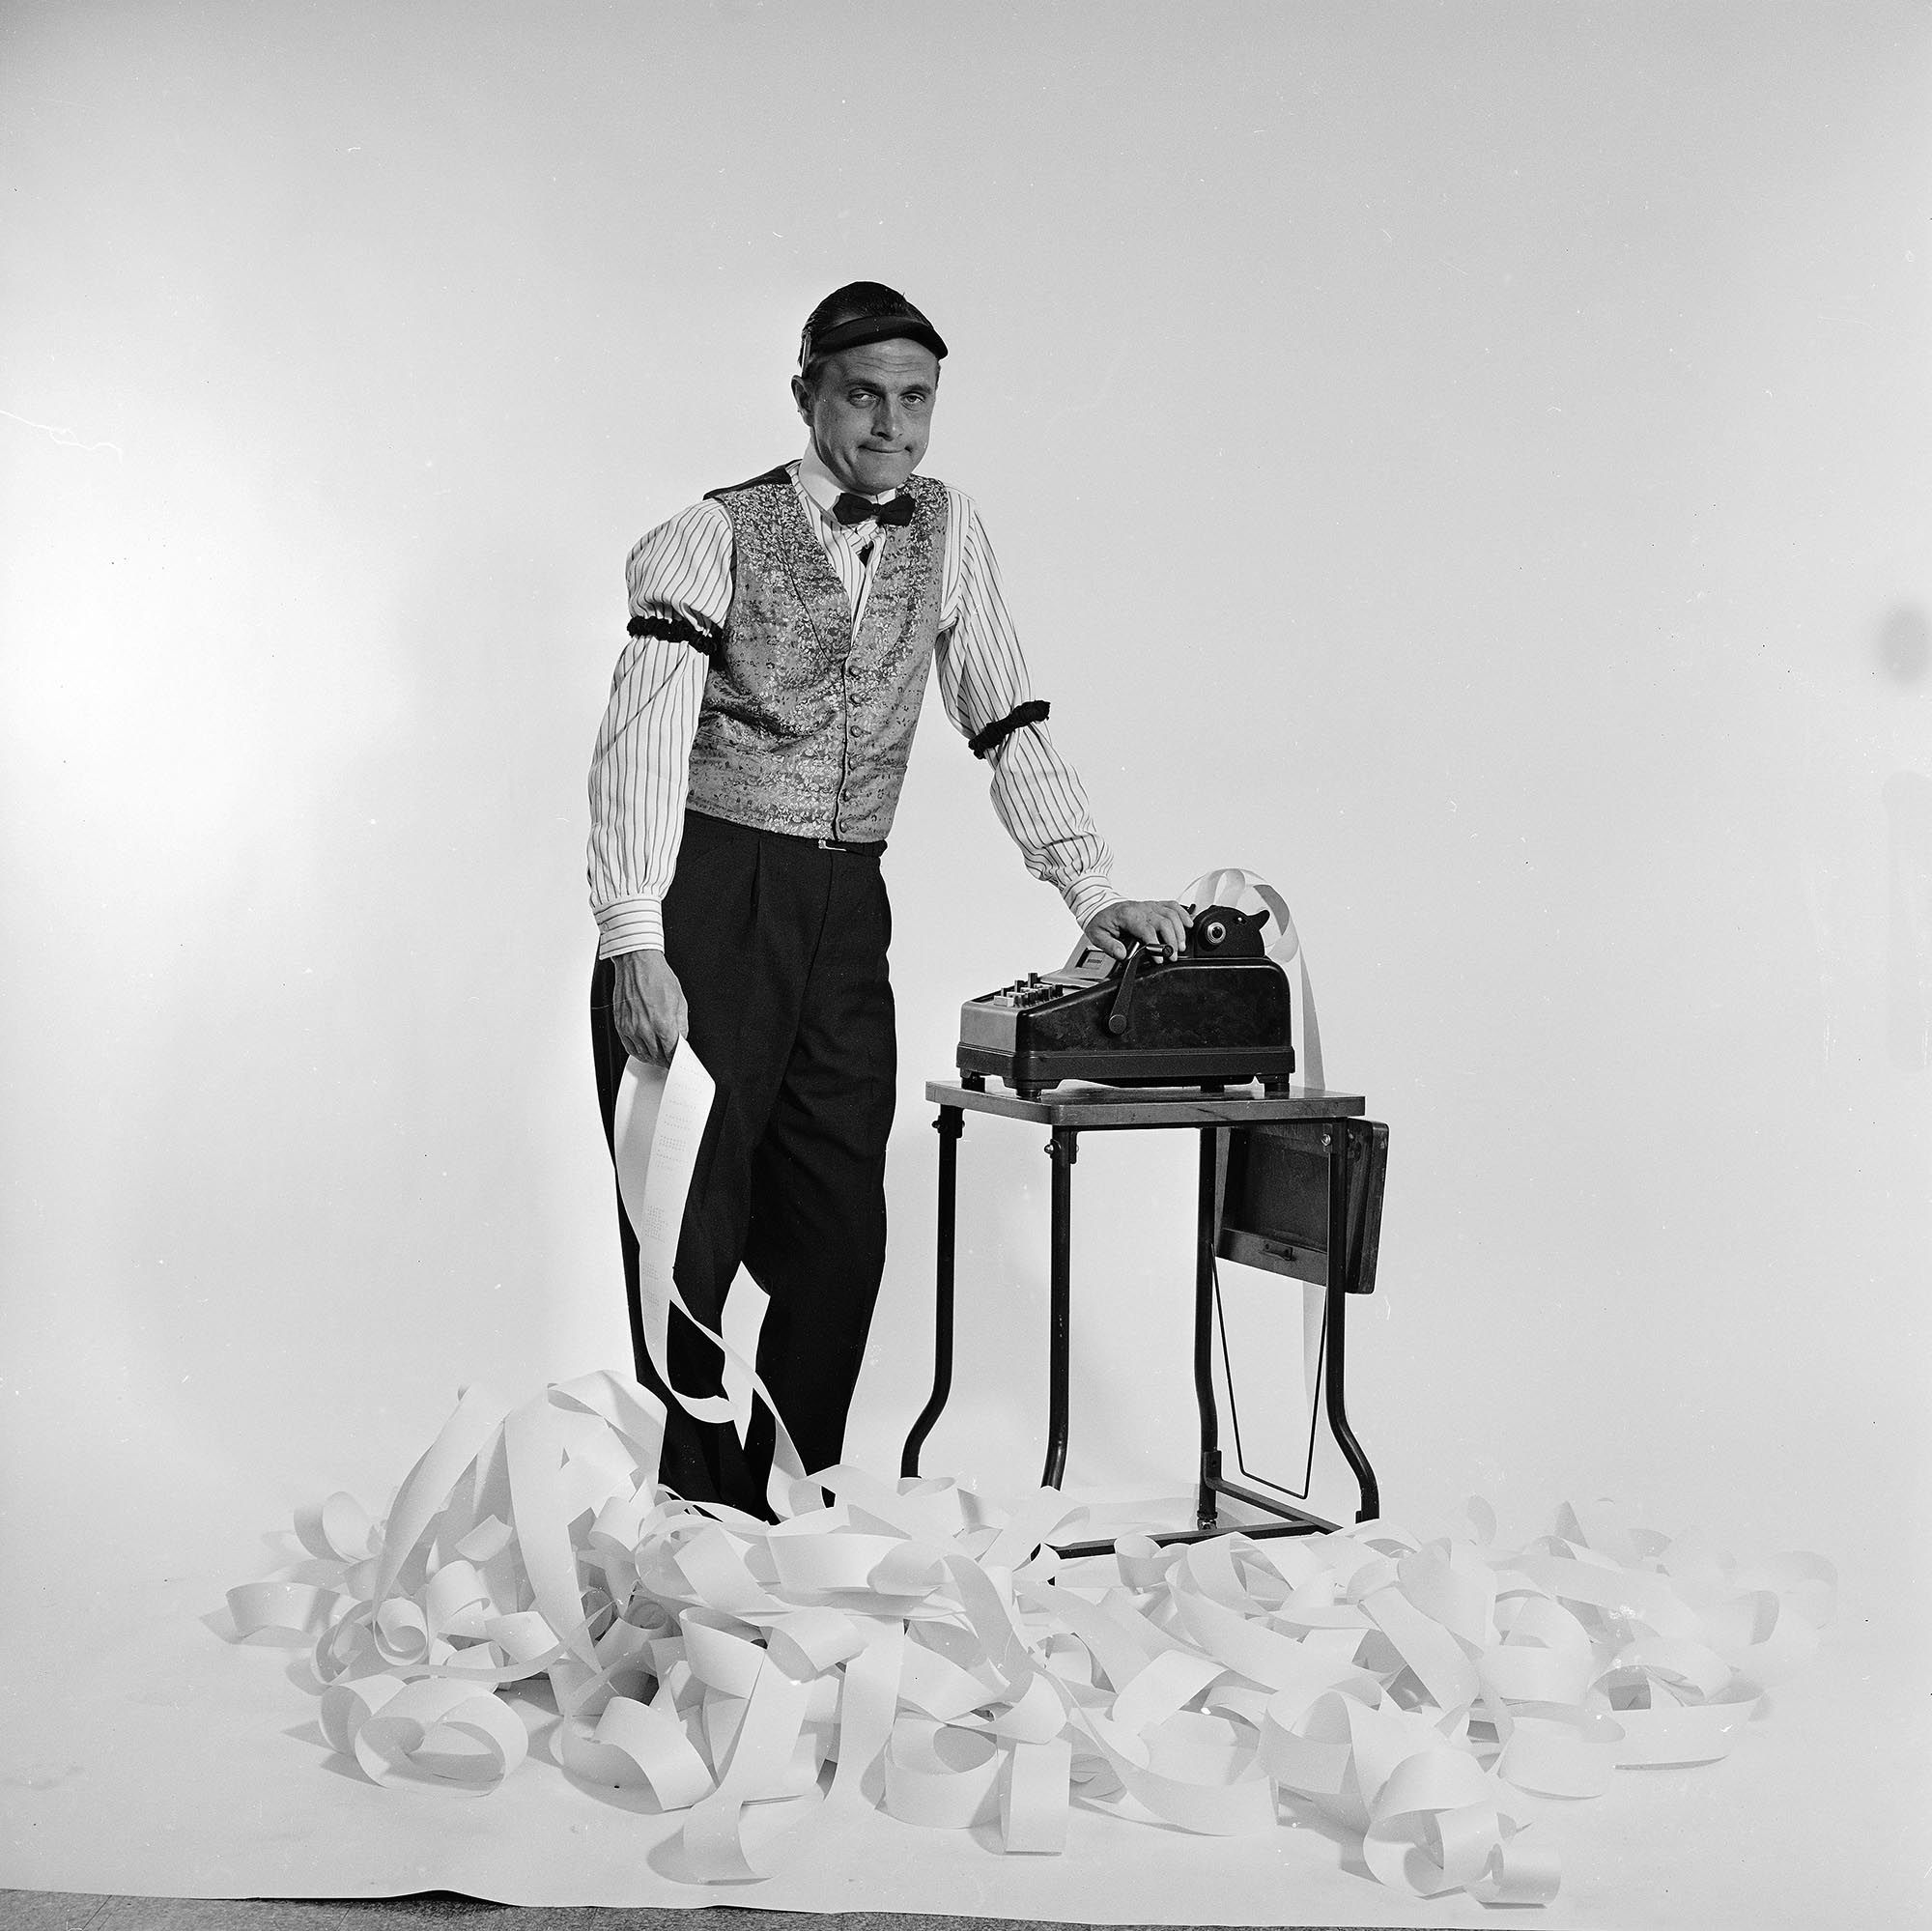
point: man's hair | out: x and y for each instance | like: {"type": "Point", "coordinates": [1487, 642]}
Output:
{"type": "Point", "coordinates": [860, 312]}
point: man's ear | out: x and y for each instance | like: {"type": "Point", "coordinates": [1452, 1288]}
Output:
{"type": "Point", "coordinates": [802, 396]}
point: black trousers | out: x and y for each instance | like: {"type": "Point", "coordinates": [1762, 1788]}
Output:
{"type": "Point", "coordinates": [780, 948]}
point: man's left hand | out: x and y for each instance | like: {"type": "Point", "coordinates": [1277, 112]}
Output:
{"type": "Point", "coordinates": [1159, 923]}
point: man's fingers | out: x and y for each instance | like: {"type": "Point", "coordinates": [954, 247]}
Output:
{"type": "Point", "coordinates": [1156, 927]}
{"type": "Point", "coordinates": [639, 1036]}
{"type": "Point", "coordinates": [1160, 924]}
{"type": "Point", "coordinates": [644, 1039]}
{"type": "Point", "coordinates": [675, 1027]}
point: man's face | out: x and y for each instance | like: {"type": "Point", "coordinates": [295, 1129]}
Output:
{"type": "Point", "coordinates": [870, 410]}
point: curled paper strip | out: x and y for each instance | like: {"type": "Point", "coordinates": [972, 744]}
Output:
{"type": "Point", "coordinates": [657, 1125]}
{"type": "Point", "coordinates": [919, 1646]}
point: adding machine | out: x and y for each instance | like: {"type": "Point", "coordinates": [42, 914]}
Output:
{"type": "Point", "coordinates": [1217, 1015]}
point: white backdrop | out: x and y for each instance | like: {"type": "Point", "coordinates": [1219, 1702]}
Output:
{"type": "Point", "coordinates": [1468, 463]}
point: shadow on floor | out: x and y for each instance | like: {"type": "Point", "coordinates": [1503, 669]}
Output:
{"type": "Point", "coordinates": [77, 1911]}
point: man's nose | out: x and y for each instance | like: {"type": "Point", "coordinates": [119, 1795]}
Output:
{"type": "Point", "coordinates": [887, 422]}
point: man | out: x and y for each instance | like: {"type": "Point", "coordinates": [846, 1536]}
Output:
{"type": "Point", "coordinates": [743, 786]}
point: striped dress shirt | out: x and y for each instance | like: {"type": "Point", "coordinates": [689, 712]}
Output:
{"type": "Point", "coordinates": [640, 773]}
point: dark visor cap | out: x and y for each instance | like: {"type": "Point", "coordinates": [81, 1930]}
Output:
{"type": "Point", "coordinates": [888, 317]}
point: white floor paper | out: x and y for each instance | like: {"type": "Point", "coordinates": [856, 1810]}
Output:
{"type": "Point", "coordinates": [147, 1752]}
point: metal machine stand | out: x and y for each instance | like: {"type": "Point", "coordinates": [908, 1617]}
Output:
{"type": "Point", "coordinates": [1068, 1111]}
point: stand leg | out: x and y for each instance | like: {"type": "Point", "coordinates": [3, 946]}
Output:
{"type": "Point", "coordinates": [1334, 1379]}
{"type": "Point", "coordinates": [1206, 1510]}
{"type": "Point", "coordinates": [1062, 1150]}
{"type": "Point", "coordinates": [951, 1123]}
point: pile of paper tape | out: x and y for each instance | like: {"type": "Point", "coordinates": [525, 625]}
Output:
{"type": "Point", "coordinates": [917, 1647]}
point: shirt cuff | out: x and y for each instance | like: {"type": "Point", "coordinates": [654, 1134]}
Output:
{"type": "Point", "coordinates": [630, 926]}
{"type": "Point", "coordinates": [1091, 892]}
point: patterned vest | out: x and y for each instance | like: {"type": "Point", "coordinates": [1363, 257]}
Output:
{"type": "Point", "coordinates": [805, 726]}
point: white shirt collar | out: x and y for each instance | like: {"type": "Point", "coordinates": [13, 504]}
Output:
{"type": "Point", "coordinates": [822, 486]}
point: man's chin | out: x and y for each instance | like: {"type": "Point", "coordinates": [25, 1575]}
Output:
{"type": "Point", "coordinates": [875, 478]}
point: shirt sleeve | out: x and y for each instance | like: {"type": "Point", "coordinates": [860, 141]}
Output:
{"type": "Point", "coordinates": [680, 583]}
{"type": "Point", "coordinates": [988, 696]}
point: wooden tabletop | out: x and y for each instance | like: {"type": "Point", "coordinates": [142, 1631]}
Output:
{"type": "Point", "coordinates": [1094, 1108]}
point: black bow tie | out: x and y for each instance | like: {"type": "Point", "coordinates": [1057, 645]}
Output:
{"type": "Point", "coordinates": [850, 509]}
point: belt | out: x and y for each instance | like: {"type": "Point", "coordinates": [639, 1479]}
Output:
{"type": "Point", "coordinates": [853, 847]}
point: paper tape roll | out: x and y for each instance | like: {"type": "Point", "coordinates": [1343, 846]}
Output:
{"type": "Point", "coordinates": [1248, 891]}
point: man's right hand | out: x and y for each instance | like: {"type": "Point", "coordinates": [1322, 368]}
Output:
{"type": "Point", "coordinates": [647, 1006]}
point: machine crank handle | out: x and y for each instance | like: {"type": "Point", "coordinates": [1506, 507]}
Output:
{"type": "Point", "coordinates": [1119, 1014]}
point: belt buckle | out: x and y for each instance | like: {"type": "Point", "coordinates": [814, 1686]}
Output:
{"type": "Point", "coordinates": [832, 846]}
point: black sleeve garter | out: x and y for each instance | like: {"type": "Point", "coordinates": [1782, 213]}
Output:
{"type": "Point", "coordinates": [702, 637]}
{"type": "Point", "coordinates": [1032, 712]}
